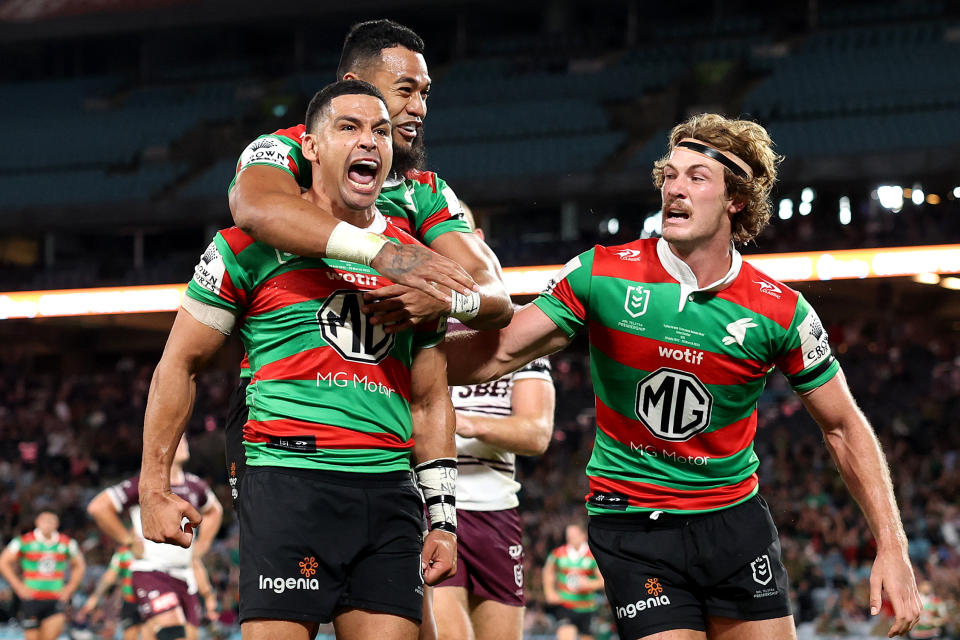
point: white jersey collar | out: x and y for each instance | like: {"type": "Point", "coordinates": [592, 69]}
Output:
{"type": "Point", "coordinates": [379, 224]}
{"type": "Point", "coordinates": [682, 273]}
{"type": "Point", "coordinates": [39, 536]}
{"type": "Point", "coordinates": [393, 180]}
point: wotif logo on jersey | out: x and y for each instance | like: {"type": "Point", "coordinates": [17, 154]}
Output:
{"type": "Point", "coordinates": [657, 599]}
{"type": "Point", "coordinates": [636, 301]}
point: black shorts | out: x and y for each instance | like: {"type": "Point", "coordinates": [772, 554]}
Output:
{"type": "Point", "coordinates": [582, 620]}
{"type": "Point", "coordinates": [673, 572]}
{"type": "Point", "coordinates": [315, 542]}
{"type": "Point", "coordinates": [34, 612]}
{"type": "Point", "coordinates": [129, 615]}
{"type": "Point", "coordinates": [237, 414]}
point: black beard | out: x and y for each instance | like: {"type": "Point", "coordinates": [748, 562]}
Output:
{"type": "Point", "coordinates": [414, 157]}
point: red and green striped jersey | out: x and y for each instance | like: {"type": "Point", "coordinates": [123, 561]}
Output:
{"type": "Point", "coordinates": [120, 563]}
{"type": "Point", "coordinates": [677, 372]}
{"type": "Point", "coordinates": [329, 389]}
{"type": "Point", "coordinates": [572, 566]}
{"type": "Point", "coordinates": [43, 562]}
{"type": "Point", "coordinates": [422, 204]}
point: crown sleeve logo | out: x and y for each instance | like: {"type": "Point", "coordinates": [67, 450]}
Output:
{"type": "Point", "coordinates": [308, 566]}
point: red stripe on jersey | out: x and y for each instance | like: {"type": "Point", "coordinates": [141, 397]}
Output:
{"type": "Point", "coordinates": [564, 294]}
{"type": "Point", "coordinates": [720, 443]}
{"type": "Point", "coordinates": [435, 219]}
{"type": "Point", "coordinates": [306, 365]}
{"type": "Point", "coordinates": [623, 261]}
{"type": "Point", "coordinates": [40, 555]}
{"type": "Point", "coordinates": [327, 436]}
{"type": "Point", "coordinates": [760, 293]}
{"type": "Point", "coordinates": [404, 236]}
{"type": "Point", "coordinates": [45, 595]}
{"type": "Point", "coordinates": [301, 285]}
{"type": "Point", "coordinates": [401, 223]}
{"type": "Point", "coordinates": [236, 239]}
{"type": "Point", "coordinates": [644, 354]}
{"type": "Point", "coordinates": [38, 575]}
{"type": "Point", "coordinates": [791, 362]}
{"type": "Point", "coordinates": [295, 133]}
{"type": "Point", "coordinates": [245, 362]}
{"type": "Point", "coordinates": [423, 177]}
{"type": "Point", "coordinates": [652, 496]}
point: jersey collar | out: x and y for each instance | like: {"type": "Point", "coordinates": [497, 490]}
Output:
{"type": "Point", "coordinates": [379, 224]}
{"type": "Point", "coordinates": [392, 180]}
{"type": "Point", "coordinates": [682, 273]}
{"type": "Point", "coordinates": [39, 536]}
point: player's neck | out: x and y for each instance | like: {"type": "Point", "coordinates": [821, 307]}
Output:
{"type": "Point", "coordinates": [359, 218]}
{"type": "Point", "coordinates": [710, 261]}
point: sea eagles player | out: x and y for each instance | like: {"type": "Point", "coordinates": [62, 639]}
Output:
{"type": "Point", "coordinates": [496, 421]}
{"type": "Point", "coordinates": [164, 581]}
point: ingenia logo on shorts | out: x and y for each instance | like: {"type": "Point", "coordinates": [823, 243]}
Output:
{"type": "Point", "coordinates": [657, 598]}
{"type": "Point", "coordinates": [308, 567]}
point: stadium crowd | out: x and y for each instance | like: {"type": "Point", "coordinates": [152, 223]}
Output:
{"type": "Point", "coordinates": [64, 437]}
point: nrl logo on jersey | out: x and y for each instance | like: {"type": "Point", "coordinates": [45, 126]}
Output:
{"type": "Point", "coordinates": [769, 288]}
{"type": "Point", "coordinates": [631, 255]}
{"type": "Point", "coordinates": [635, 304]}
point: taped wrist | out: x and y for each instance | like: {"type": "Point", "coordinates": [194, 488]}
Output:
{"type": "Point", "coordinates": [437, 480]}
{"type": "Point", "coordinates": [464, 307]}
{"type": "Point", "coordinates": [353, 244]}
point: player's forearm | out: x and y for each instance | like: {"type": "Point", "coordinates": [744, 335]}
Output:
{"type": "Point", "coordinates": [283, 220]}
{"type": "Point", "coordinates": [106, 581]}
{"type": "Point", "coordinates": [9, 574]}
{"type": "Point", "coordinates": [523, 435]}
{"type": "Point", "coordinates": [472, 357]}
{"type": "Point", "coordinates": [169, 406]}
{"type": "Point", "coordinates": [496, 309]}
{"type": "Point", "coordinates": [857, 454]}
{"type": "Point", "coordinates": [433, 429]}
{"type": "Point", "coordinates": [76, 575]}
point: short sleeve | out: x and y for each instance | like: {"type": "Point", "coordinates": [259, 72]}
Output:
{"type": "Point", "coordinates": [805, 356]}
{"type": "Point", "coordinates": [14, 545]}
{"type": "Point", "coordinates": [276, 150]}
{"type": "Point", "coordinates": [429, 334]}
{"type": "Point", "coordinates": [566, 298]}
{"type": "Point", "coordinates": [438, 210]}
{"type": "Point", "coordinates": [125, 494]}
{"type": "Point", "coordinates": [218, 280]}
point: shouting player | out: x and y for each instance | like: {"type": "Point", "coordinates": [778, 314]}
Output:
{"type": "Point", "coordinates": [265, 202]}
{"type": "Point", "coordinates": [330, 523]}
{"type": "Point", "coordinates": [683, 334]}
{"type": "Point", "coordinates": [43, 555]}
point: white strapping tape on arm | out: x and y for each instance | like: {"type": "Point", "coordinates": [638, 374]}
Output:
{"type": "Point", "coordinates": [214, 317]}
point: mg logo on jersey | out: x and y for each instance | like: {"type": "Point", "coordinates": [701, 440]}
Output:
{"type": "Point", "coordinates": [636, 301]}
{"type": "Point", "coordinates": [348, 330]}
{"type": "Point", "coordinates": [631, 255]}
{"type": "Point", "coordinates": [761, 570]}
{"type": "Point", "coordinates": [674, 405]}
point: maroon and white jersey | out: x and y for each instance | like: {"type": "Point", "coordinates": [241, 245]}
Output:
{"type": "Point", "coordinates": [486, 479]}
{"type": "Point", "coordinates": [168, 558]}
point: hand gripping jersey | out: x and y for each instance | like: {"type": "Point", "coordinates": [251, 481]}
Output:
{"type": "Point", "coordinates": [422, 204]}
{"type": "Point", "coordinates": [43, 562]}
{"type": "Point", "coordinates": [122, 562]}
{"type": "Point", "coordinates": [572, 566]}
{"type": "Point", "coordinates": [677, 372]}
{"type": "Point", "coordinates": [486, 481]}
{"type": "Point", "coordinates": [329, 390]}
{"type": "Point", "coordinates": [168, 558]}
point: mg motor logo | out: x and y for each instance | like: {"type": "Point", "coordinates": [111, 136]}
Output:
{"type": "Point", "coordinates": [348, 330]}
{"type": "Point", "coordinates": [673, 405]}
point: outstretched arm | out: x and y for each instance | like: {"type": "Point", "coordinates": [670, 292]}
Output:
{"type": "Point", "coordinates": [106, 581]}
{"type": "Point", "coordinates": [189, 347]}
{"type": "Point", "coordinates": [856, 451]}
{"type": "Point", "coordinates": [474, 357]}
{"type": "Point", "coordinates": [265, 202]}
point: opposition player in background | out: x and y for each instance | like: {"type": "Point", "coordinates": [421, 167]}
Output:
{"type": "Point", "coordinates": [683, 334]}
{"type": "Point", "coordinates": [43, 555]}
{"type": "Point", "coordinates": [571, 580]}
{"type": "Point", "coordinates": [496, 421]}
{"type": "Point", "coordinates": [265, 202]}
{"type": "Point", "coordinates": [119, 570]}
{"type": "Point", "coordinates": [164, 577]}
{"type": "Point", "coordinates": [330, 522]}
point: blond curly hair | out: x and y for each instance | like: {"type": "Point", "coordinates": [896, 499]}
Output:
{"type": "Point", "coordinates": [751, 143]}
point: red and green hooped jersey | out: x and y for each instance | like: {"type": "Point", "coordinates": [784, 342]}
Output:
{"type": "Point", "coordinates": [572, 566]}
{"type": "Point", "coordinates": [676, 381]}
{"type": "Point", "coordinates": [329, 390]}
{"type": "Point", "coordinates": [422, 204]}
{"type": "Point", "coordinates": [120, 563]}
{"type": "Point", "coordinates": [43, 563]}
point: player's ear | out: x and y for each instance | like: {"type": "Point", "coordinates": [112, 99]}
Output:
{"type": "Point", "coordinates": [350, 75]}
{"type": "Point", "coordinates": [735, 206]}
{"type": "Point", "coordinates": [310, 146]}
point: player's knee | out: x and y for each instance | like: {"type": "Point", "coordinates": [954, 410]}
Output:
{"type": "Point", "coordinates": [173, 632]}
